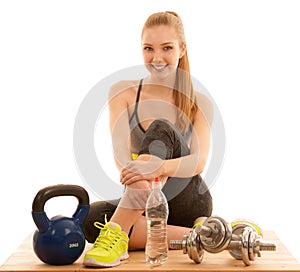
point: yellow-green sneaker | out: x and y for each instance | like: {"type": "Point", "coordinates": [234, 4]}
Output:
{"type": "Point", "coordinates": [110, 247]}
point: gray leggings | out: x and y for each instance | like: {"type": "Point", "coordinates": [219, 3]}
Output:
{"type": "Point", "coordinates": [188, 198]}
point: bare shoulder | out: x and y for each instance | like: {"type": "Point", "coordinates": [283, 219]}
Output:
{"type": "Point", "coordinates": [123, 88]}
{"type": "Point", "coordinates": [205, 105]}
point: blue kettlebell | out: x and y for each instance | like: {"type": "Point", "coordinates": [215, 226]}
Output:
{"type": "Point", "coordinates": [59, 240]}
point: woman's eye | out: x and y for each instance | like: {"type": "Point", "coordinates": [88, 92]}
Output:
{"type": "Point", "coordinates": [166, 48]}
{"type": "Point", "coordinates": [147, 48]}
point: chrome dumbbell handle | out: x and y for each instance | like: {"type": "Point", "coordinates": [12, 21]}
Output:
{"type": "Point", "coordinates": [205, 231]}
{"type": "Point", "coordinates": [263, 246]}
{"type": "Point", "coordinates": [179, 244]}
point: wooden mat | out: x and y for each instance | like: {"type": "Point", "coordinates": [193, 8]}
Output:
{"type": "Point", "coordinates": [24, 259]}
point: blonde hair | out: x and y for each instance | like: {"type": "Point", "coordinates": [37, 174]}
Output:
{"type": "Point", "coordinates": [183, 91]}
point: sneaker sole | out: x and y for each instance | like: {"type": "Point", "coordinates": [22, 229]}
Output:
{"type": "Point", "coordinates": [92, 262]}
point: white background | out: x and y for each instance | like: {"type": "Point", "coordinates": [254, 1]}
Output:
{"type": "Point", "coordinates": [246, 53]}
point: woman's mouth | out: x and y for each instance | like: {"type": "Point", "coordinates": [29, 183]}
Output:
{"type": "Point", "coordinates": [159, 67]}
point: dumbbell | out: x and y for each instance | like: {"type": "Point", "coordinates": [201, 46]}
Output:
{"type": "Point", "coordinates": [247, 241]}
{"type": "Point", "coordinates": [244, 245]}
{"type": "Point", "coordinates": [250, 245]}
{"type": "Point", "coordinates": [215, 233]}
{"type": "Point", "coordinates": [238, 228]}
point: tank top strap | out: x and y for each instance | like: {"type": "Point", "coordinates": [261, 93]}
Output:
{"type": "Point", "coordinates": [137, 100]}
{"type": "Point", "coordinates": [139, 91]}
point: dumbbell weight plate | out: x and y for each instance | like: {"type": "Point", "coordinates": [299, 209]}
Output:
{"type": "Point", "coordinates": [194, 247]}
{"type": "Point", "coordinates": [220, 235]}
{"type": "Point", "coordinates": [237, 230]}
{"type": "Point", "coordinates": [252, 239]}
{"type": "Point", "coordinates": [246, 245]}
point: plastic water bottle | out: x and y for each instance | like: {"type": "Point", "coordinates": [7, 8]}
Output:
{"type": "Point", "coordinates": [157, 212]}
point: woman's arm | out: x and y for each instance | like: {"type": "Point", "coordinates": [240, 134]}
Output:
{"type": "Point", "coordinates": [119, 98]}
{"type": "Point", "coordinates": [119, 123]}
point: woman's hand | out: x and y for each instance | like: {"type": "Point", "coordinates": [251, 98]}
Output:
{"type": "Point", "coordinates": [145, 167]}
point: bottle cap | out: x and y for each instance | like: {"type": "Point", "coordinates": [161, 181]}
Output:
{"type": "Point", "coordinates": [156, 179]}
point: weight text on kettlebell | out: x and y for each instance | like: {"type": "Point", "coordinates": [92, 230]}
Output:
{"type": "Point", "coordinates": [72, 245]}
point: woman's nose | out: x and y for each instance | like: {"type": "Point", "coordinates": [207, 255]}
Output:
{"type": "Point", "coordinates": [157, 57]}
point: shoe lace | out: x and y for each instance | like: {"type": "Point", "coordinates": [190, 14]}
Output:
{"type": "Point", "coordinates": [107, 237]}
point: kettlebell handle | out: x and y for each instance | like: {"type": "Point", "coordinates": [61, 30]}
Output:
{"type": "Point", "coordinates": [45, 194]}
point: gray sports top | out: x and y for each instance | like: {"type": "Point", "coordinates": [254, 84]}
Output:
{"type": "Point", "coordinates": [137, 132]}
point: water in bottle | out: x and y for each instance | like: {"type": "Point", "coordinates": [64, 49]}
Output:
{"type": "Point", "coordinates": [157, 212]}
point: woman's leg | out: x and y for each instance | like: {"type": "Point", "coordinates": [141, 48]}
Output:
{"type": "Point", "coordinates": [188, 198]}
{"type": "Point", "coordinates": [138, 236]}
{"type": "Point", "coordinates": [126, 217]}
{"type": "Point", "coordinates": [192, 202]}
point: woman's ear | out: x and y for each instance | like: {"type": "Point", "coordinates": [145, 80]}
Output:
{"type": "Point", "coordinates": [182, 50]}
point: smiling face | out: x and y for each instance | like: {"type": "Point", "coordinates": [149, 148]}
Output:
{"type": "Point", "coordinates": [161, 50]}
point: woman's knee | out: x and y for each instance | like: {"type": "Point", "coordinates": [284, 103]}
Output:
{"type": "Point", "coordinates": [161, 127]}
{"type": "Point", "coordinates": [163, 140]}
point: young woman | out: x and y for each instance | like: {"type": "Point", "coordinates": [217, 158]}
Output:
{"type": "Point", "coordinates": [160, 128]}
